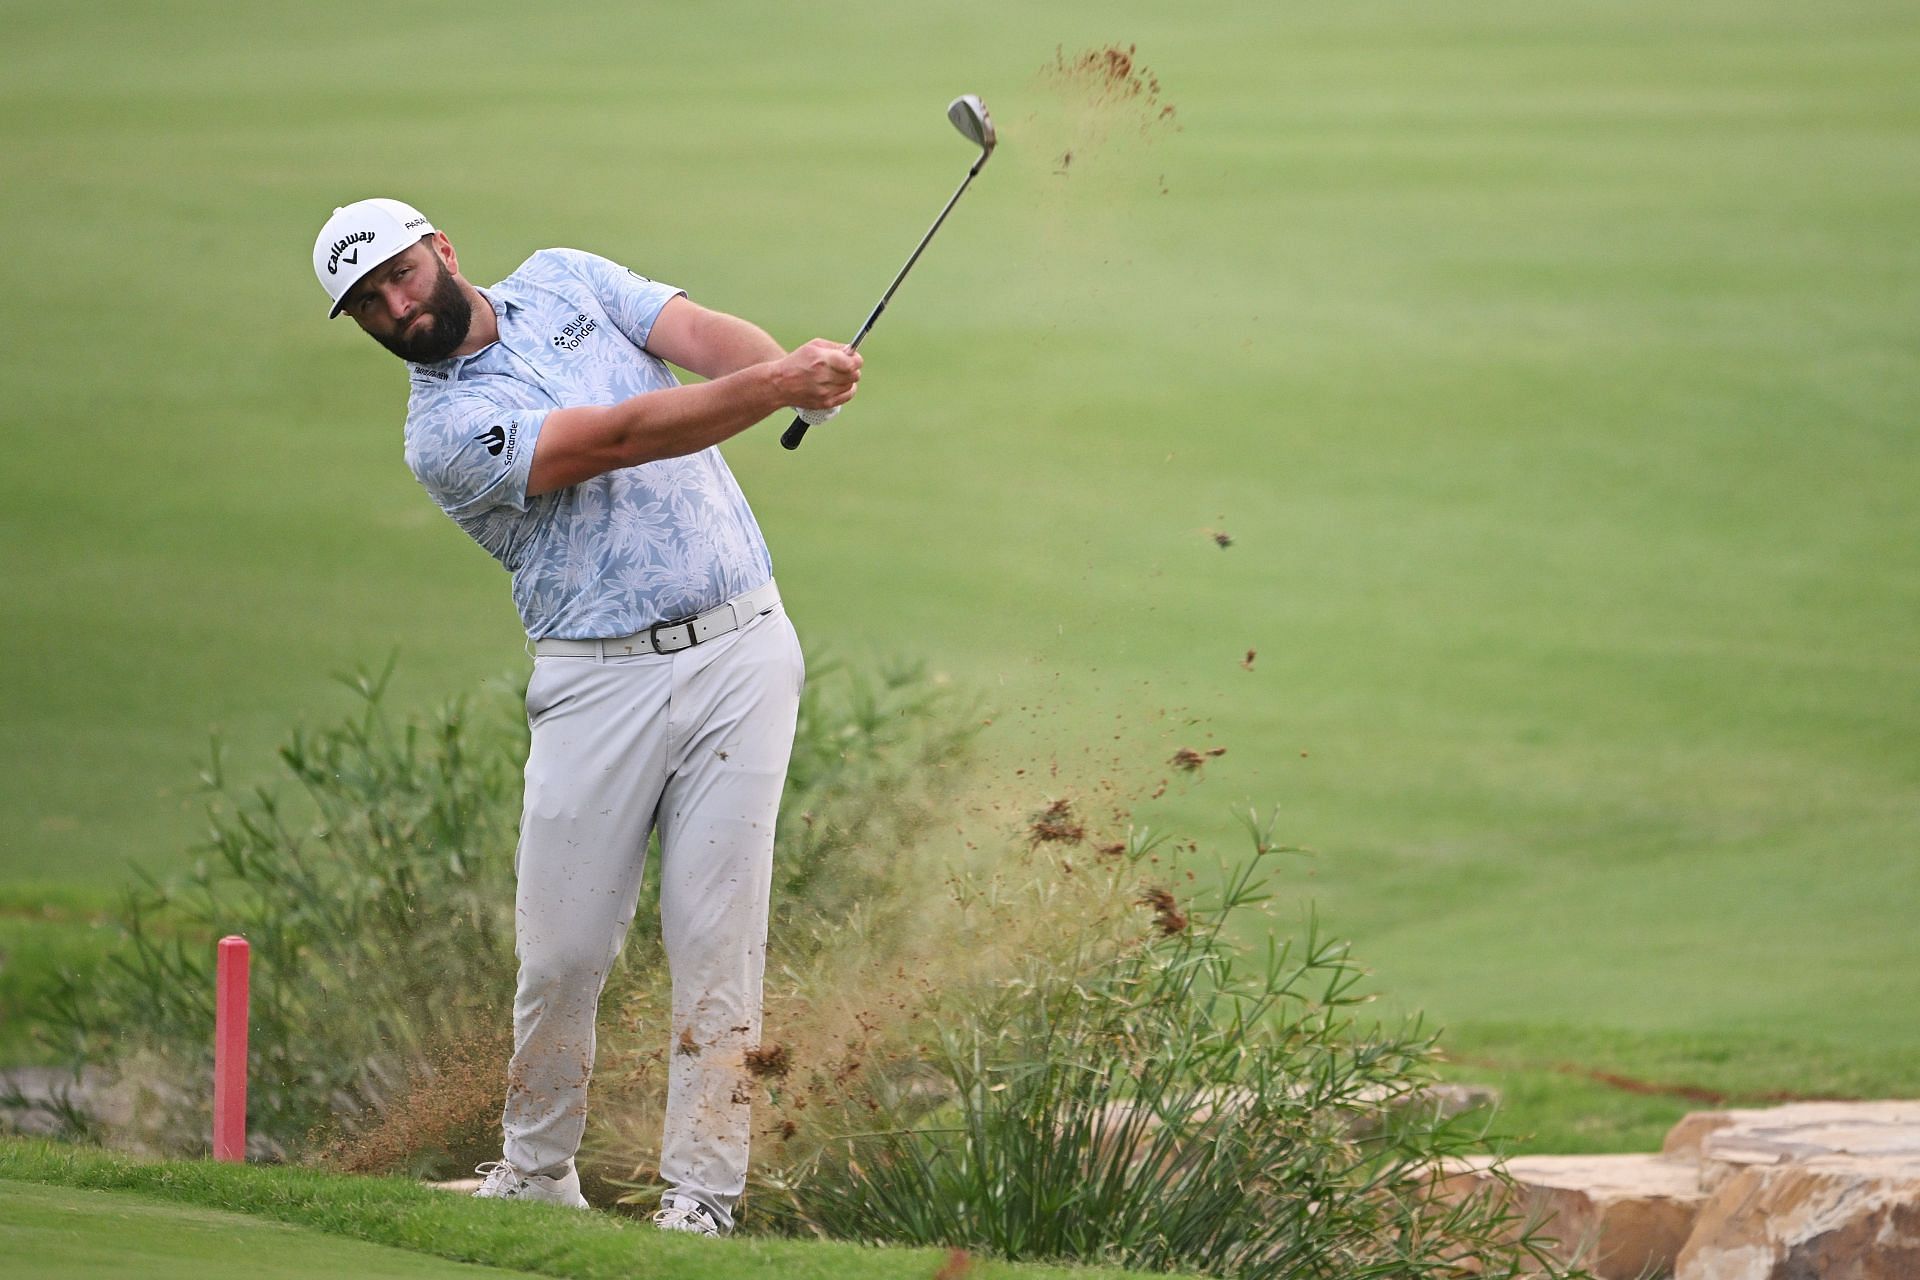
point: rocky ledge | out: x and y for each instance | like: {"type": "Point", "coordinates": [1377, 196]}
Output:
{"type": "Point", "coordinates": [1810, 1191]}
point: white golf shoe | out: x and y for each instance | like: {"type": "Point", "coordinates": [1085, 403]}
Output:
{"type": "Point", "coordinates": [504, 1182]}
{"type": "Point", "coordinates": [684, 1213]}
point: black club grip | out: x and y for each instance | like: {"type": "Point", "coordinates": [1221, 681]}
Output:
{"type": "Point", "coordinates": [794, 434]}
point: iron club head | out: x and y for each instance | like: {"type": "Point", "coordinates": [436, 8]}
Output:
{"type": "Point", "coordinates": [969, 116]}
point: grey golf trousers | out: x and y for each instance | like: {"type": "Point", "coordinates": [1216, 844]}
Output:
{"type": "Point", "coordinates": [695, 743]}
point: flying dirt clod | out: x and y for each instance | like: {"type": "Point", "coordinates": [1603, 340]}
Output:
{"type": "Point", "coordinates": [769, 1061]}
{"type": "Point", "coordinates": [1056, 824]}
{"type": "Point", "coordinates": [1190, 760]}
{"type": "Point", "coordinates": [1168, 918]}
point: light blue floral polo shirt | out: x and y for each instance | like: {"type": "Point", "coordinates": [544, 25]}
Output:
{"type": "Point", "coordinates": [610, 555]}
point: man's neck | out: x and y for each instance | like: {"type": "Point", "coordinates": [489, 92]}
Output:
{"type": "Point", "coordinates": [484, 329]}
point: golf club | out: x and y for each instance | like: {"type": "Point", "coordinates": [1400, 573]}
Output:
{"type": "Point", "coordinates": [969, 116]}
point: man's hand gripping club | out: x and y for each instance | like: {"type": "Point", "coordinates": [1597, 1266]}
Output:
{"type": "Point", "coordinates": [827, 370]}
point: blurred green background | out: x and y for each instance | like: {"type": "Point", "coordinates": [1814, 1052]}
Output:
{"type": "Point", "coordinates": [1551, 369]}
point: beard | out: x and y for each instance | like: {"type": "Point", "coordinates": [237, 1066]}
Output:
{"type": "Point", "coordinates": [451, 314]}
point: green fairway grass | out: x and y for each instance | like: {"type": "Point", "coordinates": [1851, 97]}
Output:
{"type": "Point", "coordinates": [204, 1198]}
{"type": "Point", "coordinates": [1550, 369]}
{"type": "Point", "coordinates": [103, 1235]}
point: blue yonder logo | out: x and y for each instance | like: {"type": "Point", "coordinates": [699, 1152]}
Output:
{"type": "Point", "coordinates": [574, 332]}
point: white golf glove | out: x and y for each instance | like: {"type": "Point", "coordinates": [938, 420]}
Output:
{"type": "Point", "coordinates": [814, 417]}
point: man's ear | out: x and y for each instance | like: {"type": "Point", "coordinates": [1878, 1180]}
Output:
{"type": "Point", "coordinates": [443, 247]}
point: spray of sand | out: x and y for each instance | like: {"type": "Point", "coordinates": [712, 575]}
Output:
{"type": "Point", "coordinates": [1087, 141]}
{"type": "Point", "coordinates": [1108, 104]}
{"type": "Point", "coordinates": [1030, 867]}
{"type": "Point", "coordinates": [444, 1121]}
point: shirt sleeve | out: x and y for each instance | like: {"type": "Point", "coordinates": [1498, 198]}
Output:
{"type": "Point", "coordinates": [630, 300]}
{"type": "Point", "coordinates": [472, 455]}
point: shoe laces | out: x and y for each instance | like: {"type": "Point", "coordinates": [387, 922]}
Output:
{"type": "Point", "coordinates": [677, 1213]}
{"type": "Point", "coordinates": [501, 1178]}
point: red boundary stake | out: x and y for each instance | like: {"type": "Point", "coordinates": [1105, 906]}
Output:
{"type": "Point", "coordinates": [230, 1051]}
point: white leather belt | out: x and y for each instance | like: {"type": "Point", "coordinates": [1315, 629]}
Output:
{"type": "Point", "coordinates": [670, 637]}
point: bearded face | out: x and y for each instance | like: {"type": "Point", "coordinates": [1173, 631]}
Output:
{"type": "Point", "coordinates": [413, 306]}
{"type": "Point", "coordinates": [437, 326]}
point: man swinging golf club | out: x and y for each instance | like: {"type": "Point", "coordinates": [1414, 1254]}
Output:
{"type": "Point", "coordinates": [544, 420]}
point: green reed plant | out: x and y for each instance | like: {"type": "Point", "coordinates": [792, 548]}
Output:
{"type": "Point", "coordinates": [1164, 1096]}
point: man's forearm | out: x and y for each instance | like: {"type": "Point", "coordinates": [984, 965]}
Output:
{"type": "Point", "coordinates": [680, 420]}
{"type": "Point", "coordinates": [587, 440]}
{"type": "Point", "coordinates": [716, 344]}
{"type": "Point", "coordinates": [579, 443]}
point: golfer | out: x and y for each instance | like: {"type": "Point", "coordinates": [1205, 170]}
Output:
{"type": "Point", "coordinates": [544, 420]}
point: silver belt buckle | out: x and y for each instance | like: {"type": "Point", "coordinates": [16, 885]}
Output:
{"type": "Point", "coordinates": [653, 634]}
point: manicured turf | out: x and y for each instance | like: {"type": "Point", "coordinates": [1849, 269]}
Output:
{"type": "Point", "coordinates": [1550, 368]}
{"type": "Point", "coordinates": [83, 1235]}
{"type": "Point", "coordinates": [543, 1239]}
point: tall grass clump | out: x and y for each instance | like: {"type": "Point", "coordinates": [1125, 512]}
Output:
{"type": "Point", "coordinates": [1095, 1067]}
{"type": "Point", "coordinates": [374, 881]}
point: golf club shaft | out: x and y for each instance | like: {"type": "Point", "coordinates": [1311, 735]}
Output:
{"type": "Point", "coordinates": [797, 430]}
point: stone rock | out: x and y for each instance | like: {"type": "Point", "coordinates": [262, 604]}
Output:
{"type": "Point", "coordinates": [1807, 1191]}
{"type": "Point", "coordinates": [1825, 1217]}
{"type": "Point", "coordinates": [36, 1100]}
{"type": "Point", "coordinates": [1457, 1099]}
{"type": "Point", "coordinates": [1436, 1102]}
{"type": "Point", "coordinates": [1684, 1139]}
{"type": "Point", "coordinates": [129, 1109]}
{"type": "Point", "coordinates": [1622, 1216]}
{"type": "Point", "coordinates": [1806, 1130]}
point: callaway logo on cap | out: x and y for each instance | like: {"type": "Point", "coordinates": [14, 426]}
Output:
{"type": "Point", "coordinates": [358, 238]}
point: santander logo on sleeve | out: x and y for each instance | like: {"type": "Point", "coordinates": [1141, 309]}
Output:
{"type": "Point", "coordinates": [498, 439]}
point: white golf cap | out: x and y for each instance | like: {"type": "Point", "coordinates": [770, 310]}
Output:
{"type": "Point", "coordinates": [358, 238]}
